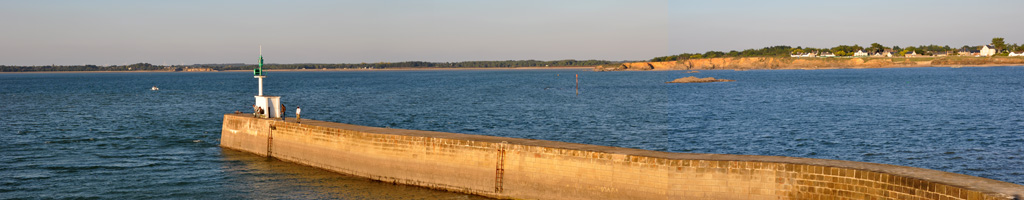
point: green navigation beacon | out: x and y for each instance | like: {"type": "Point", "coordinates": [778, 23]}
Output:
{"type": "Point", "coordinates": [259, 70]}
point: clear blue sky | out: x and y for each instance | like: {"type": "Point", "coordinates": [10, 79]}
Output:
{"type": "Point", "coordinates": [175, 32]}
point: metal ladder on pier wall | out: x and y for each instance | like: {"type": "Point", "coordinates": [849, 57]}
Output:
{"type": "Point", "coordinates": [499, 171]}
{"type": "Point", "coordinates": [270, 141]}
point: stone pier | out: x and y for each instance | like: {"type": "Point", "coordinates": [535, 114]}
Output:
{"type": "Point", "coordinates": [537, 169]}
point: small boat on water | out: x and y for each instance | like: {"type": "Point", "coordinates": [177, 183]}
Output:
{"type": "Point", "coordinates": [154, 88]}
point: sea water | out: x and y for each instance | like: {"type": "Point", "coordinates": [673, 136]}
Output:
{"type": "Point", "coordinates": [107, 135]}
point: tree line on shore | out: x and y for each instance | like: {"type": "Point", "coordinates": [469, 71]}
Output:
{"type": "Point", "coordinates": [380, 65]}
{"type": "Point", "coordinates": [54, 68]}
{"type": "Point", "coordinates": [841, 50]}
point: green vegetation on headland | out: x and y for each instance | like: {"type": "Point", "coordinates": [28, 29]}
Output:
{"type": "Point", "coordinates": [1002, 49]}
{"type": "Point", "coordinates": [749, 63]}
{"type": "Point", "coordinates": [381, 65]}
{"type": "Point", "coordinates": [997, 53]}
{"type": "Point", "coordinates": [55, 68]}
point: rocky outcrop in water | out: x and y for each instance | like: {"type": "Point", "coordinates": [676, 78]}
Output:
{"type": "Point", "coordinates": [694, 79]}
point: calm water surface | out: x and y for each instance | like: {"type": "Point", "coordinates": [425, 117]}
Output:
{"type": "Point", "coordinates": [106, 135]}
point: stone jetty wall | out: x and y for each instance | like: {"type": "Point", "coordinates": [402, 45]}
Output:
{"type": "Point", "coordinates": [537, 169]}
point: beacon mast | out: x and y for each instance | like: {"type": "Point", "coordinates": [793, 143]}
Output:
{"type": "Point", "coordinates": [258, 72]}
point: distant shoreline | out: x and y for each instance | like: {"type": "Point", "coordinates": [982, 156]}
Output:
{"type": "Point", "coordinates": [316, 70]}
{"type": "Point", "coordinates": [423, 69]}
{"type": "Point", "coordinates": [510, 68]}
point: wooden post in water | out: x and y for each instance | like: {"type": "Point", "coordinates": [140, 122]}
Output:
{"type": "Point", "coordinates": [577, 84]}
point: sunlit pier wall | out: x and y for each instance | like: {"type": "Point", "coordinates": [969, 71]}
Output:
{"type": "Point", "coordinates": [538, 169]}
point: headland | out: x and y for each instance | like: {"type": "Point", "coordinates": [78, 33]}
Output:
{"type": "Point", "coordinates": [757, 63]}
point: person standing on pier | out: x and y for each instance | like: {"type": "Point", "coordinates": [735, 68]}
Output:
{"type": "Point", "coordinates": [283, 111]}
{"type": "Point", "coordinates": [255, 110]}
{"type": "Point", "coordinates": [298, 111]}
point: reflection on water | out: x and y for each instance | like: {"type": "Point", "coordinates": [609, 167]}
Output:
{"type": "Point", "coordinates": [259, 177]}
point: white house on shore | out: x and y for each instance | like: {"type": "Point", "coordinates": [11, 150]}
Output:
{"type": "Point", "coordinates": [885, 53]}
{"type": "Point", "coordinates": [988, 50]}
{"type": "Point", "coordinates": [807, 55]}
{"type": "Point", "coordinates": [828, 55]}
{"type": "Point", "coordinates": [1019, 53]}
{"type": "Point", "coordinates": [910, 54]}
{"type": "Point", "coordinates": [860, 53]}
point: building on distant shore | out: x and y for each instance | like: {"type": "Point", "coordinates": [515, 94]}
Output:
{"type": "Point", "coordinates": [860, 53]}
{"type": "Point", "coordinates": [966, 51]}
{"type": "Point", "coordinates": [988, 50]}
{"type": "Point", "coordinates": [910, 54]}
{"type": "Point", "coordinates": [807, 55]}
{"type": "Point", "coordinates": [1018, 53]}
{"type": "Point", "coordinates": [828, 55]}
{"type": "Point", "coordinates": [963, 51]}
{"type": "Point", "coordinates": [884, 53]}
{"type": "Point", "coordinates": [939, 53]}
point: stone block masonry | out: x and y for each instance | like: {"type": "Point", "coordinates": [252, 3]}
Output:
{"type": "Point", "coordinates": [536, 169]}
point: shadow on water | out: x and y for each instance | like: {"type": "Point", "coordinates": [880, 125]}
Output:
{"type": "Point", "coordinates": [259, 177]}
